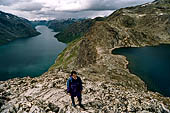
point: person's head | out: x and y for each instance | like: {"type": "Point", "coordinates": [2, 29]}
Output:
{"type": "Point", "coordinates": [74, 74]}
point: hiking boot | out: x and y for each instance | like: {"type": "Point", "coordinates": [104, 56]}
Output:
{"type": "Point", "coordinates": [73, 105]}
{"type": "Point", "coordinates": [81, 105]}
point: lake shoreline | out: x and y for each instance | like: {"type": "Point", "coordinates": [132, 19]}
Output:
{"type": "Point", "coordinates": [131, 70]}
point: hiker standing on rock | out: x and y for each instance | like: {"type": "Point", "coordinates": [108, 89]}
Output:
{"type": "Point", "coordinates": [74, 88]}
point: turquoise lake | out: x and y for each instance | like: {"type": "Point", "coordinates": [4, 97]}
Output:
{"type": "Point", "coordinates": [30, 56]}
{"type": "Point", "coordinates": [151, 64]}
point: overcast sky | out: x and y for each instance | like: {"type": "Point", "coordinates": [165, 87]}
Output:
{"type": "Point", "coordinates": [61, 9]}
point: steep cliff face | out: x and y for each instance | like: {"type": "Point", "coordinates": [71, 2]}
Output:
{"type": "Point", "coordinates": [13, 27]}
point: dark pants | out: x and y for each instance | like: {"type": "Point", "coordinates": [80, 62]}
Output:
{"type": "Point", "coordinates": [79, 99]}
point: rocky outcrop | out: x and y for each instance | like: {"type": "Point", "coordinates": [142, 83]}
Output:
{"type": "Point", "coordinates": [47, 94]}
{"type": "Point", "coordinates": [88, 51]}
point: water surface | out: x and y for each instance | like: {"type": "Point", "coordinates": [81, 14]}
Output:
{"type": "Point", "coordinates": [151, 64]}
{"type": "Point", "coordinates": [29, 56]}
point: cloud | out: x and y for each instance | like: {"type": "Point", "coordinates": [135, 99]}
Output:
{"type": "Point", "coordinates": [7, 2]}
{"type": "Point", "coordinates": [114, 4]}
{"type": "Point", "coordinates": [50, 9]}
{"type": "Point", "coordinates": [28, 6]}
{"type": "Point", "coordinates": [10, 2]}
{"type": "Point", "coordinates": [78, 14]}
{"type": "Point", "coordinates": [81, 5]}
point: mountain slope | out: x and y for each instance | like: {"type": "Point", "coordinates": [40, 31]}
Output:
{"type": "Point", "coordinates": [76, 30]}
{"type": "Point", "coordinates": [143, 25]}
{"type": "Point", "coordinates": [60, 25]}
{"type": "Point", "coordinates": [13, 27]}
{"type": "Point", "coordinates": [109, 87]}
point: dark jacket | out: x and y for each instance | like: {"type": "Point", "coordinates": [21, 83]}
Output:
{"type": "Point", "coordinates": [74, 87]}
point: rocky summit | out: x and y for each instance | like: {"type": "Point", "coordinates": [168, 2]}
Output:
{"type": "Point", "coordinates": [108, 85]}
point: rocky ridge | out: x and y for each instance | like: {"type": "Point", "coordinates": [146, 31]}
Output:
{"type": "Point", "coordinates": [47, 94]}
{"type": "Point", "coordinates": [143, 25]}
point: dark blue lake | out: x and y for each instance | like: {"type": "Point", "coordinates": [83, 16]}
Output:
{"type": "Point", "coordinates": [29, 56]}
{"type": "Point", "coordinates": [151, 64]}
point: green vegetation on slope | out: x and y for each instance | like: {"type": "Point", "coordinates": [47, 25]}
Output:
{"type": "Point", "coordinates": [67, 56]}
